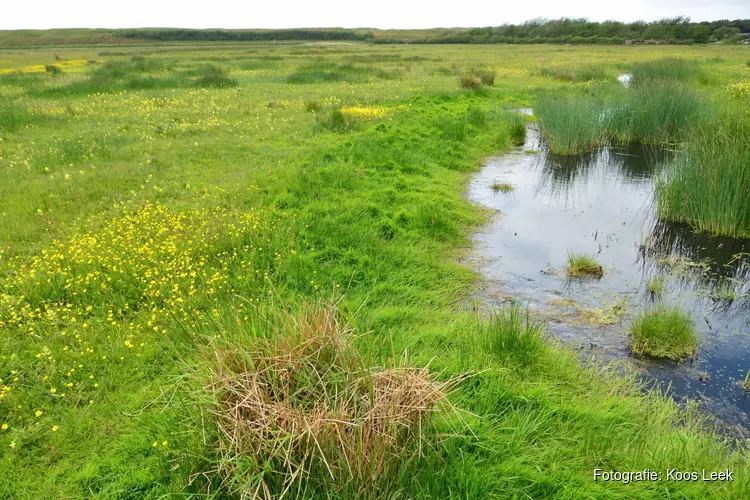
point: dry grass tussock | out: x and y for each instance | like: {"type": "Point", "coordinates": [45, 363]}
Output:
{"type": "Point", "coordinates": [300, 409]}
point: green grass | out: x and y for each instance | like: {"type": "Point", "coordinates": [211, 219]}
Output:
{"type": "Point", "coordinates": [144, 224]}
{"type": "Point", "coordinates": [664, 332]}
{"type": "Point", "coordinates": [583, 266]}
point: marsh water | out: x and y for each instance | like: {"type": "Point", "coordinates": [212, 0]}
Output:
{"type": "Point", "coordinates": [601, 203]}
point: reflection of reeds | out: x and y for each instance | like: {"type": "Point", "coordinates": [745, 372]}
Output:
{"type": "Point", "coordinates": [561, 175]}
{"type": "Point", "coordinates": [718, 266]}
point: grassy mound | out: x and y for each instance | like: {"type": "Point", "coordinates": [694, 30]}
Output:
{"type": "Point", "coordinates": [583, 266]}
{"type": "Point", "coordinates": [664, 332]}
{"type": "Point", "coordinates": [299, 409]}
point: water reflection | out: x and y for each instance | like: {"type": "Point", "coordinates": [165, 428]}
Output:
{"type": "Point", "coordinates": [716, 266]}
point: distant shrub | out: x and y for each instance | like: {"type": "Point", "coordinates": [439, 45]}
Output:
{"type": "Point", "coordinates": [487, 77]}
{"type": "Point", "coordinates": [581, 74]}
{"type": "Point", "coordinates": [476, 117]}
{"type": "Point", "coordinates": [388, 229]}
{"type": "Point", "coordinates": [313, 106]}
{"type": "Point", "coordinates": [337, 121]}
{"type": "Point", "coordinates": [517, 133]}
{"type": "Point", "coordinates": [13, 117]}
{"type": "Point", "coordinates": [210, 75]}
{"type": "Point", "coordinates": [470, 82]}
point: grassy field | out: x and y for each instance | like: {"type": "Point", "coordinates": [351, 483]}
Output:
{"type": "Point", "coordinates": [184, 226]}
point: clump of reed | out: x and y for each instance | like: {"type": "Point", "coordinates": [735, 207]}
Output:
{"type": "Point", "coordinates": [664, 332]}
{"type": "Point", "coordinates": [324, 72]}
{"type": "Point", "coordinates": [298, 408]}
{"type": "Point", "coordinates": [707, 185]}
{"type": "Point", "coordinates": [313, 106]}
{"type": "Point", "coordinates": [487, 77]}
{"type": "Point", "coordinates": [583, 266]}
{"type": "Point", "coordinates": [663, 113]}
{"type": "Point", "coordinates": [477, 80]}
{"type": "Point", "coordinates": [470, 82]}
{"type": "Point", "coordinates": [668, 69]}
{"type": "Point", "coordinates": [14, 116]}
{"type": "Point", "coordinates": [210, 75]}
{"type": "Point", "coordinates": [580, 74]}
{"type": "Point", "coordinates": [571, 124]}
{"type": "Point", "coordinates": [336, 121]}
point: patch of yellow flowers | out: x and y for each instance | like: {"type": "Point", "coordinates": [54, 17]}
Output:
{"type": "Point", "coordinates": [86, 305]}
{"type": "Point", "coordinates": [370, 112]}
{"type": "Point", "coordinates": [740, 89]}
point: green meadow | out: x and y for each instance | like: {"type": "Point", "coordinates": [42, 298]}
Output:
{"type": "Point", "coordinates": [234, 270]}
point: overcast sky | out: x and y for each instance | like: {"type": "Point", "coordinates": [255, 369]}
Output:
{"type": "Point", "coordinates": [42, 14]}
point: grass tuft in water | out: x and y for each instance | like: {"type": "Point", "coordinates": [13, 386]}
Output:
{"type": "Point", "coordinates": [502, 186]}
{"type": "Point", "coordinates": [664, 332]}
{"type": "Point", "coordinates": [583, 266]}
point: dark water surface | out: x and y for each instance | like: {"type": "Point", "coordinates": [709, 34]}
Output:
{"type": "Point", "coordinates": [601, 203]}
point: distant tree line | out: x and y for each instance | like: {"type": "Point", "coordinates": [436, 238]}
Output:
{"type": "Point", "coordinates": [678, 30]}
{"type": "Point", "coordinates": [214, 35]}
